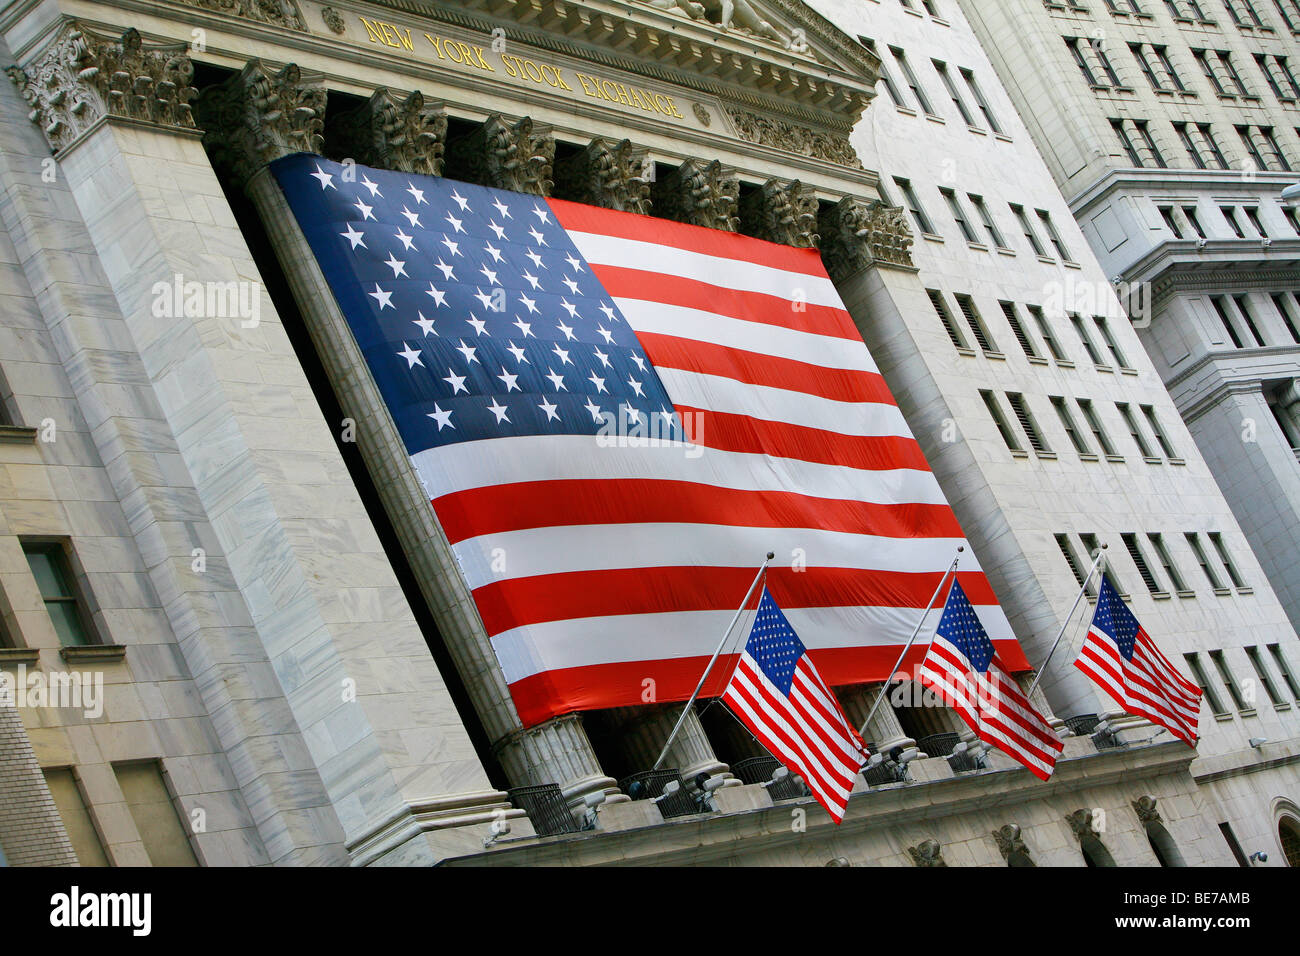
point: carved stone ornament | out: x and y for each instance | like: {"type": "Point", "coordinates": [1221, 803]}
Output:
{"type": "Point", "coordinates": [517, 156]}
{"type": "Point", "coordinates": [608, 174]}
{"type": "Point", "coordinates": [281, 13]}
{"type": "Point", "coordinates": [333, 19]}
{"type": "Point", "coordinates": [857, 234]}
{"type": "Point", "coordinates": [702, 114]}
{"type": "Point", "coordinates": [927, 853]}
{"type": "Point", "coordinates": [1009, 840]}
{"type": "Point", "coordinates": [83, 76]}
{"type": "Point", "coordinates": [735, 15]}
{"type": "Point", "coordinates": [703, 194]}
{"type": "Point", "coordinates": [1146, 809]}
{"type": "Point", "coordinates": [780, 211]}
{"type": "Point", "coordinates": [258, 116]}
{"type": "Point", "coordinates": [1081, 823]}
{"type": "Point", "coordinates": [388, 132]}
{"type": "Point", "coordinates": [781, 134]}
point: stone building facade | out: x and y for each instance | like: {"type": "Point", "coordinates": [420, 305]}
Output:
{"type": "Point", "coordinates": [209, 507]}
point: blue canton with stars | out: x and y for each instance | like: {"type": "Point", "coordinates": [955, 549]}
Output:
{"type": "Point", "coordinates": [960, 626]}
{"type": "Point", "coordinates": [475, 311]}
{"type": "Point", "coordinates": [773, 644]}
{"type": "Point", "coordinates": [1114, 619]}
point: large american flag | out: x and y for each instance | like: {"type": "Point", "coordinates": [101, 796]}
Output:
{"type": "Point", "coordinates": [961, 667]}
{"type": "Point", "coordinates": [777, 693]}
{"type": "Point", "coordinates": [616, 416]}
{"type": "Point", "coordinates": [1120, 658]}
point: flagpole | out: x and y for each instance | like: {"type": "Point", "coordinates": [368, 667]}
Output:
{"type": "Point", "coordinates": [762, 569]}
{"type": "Point", "coordinates": [884, 691]}
{"type": "Point", "coordinates": [1101, 554]}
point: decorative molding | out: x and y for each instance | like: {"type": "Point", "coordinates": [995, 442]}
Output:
{"type": "Point", "coordinates": [608, 174]}
{"type": "Point", "coordinates": [517, 156]}
{"type": "Point", "coordinates": [258, 116]}
{"type": "Point", "coordinates": [1145, 807]}
{"type": "Point", "coordinates": [781, 211]}
{"type": "Point", "coordinates": [334, 20]}
{"type": "Point", "coordinates": [856, 235]}
{"type": "Point", "coordinates": [1080, 822]}
{"type": "Point", "coordinates": [280, 13]}
{"type": "Point", "coordinates": [82, 77]}
{"type": "Point", "coordinates": [1010, 842]}
{"type": "Point", "coordinates": [1192, 278]}
{"type": "Point", "coordinates": [782, 134]}
{"type": "Point", "coordinates": [389, 132]}
{"type": "Point", "coordinates": [927, 853]}
{"type": "Point", "coordinates": [703, 194]}
{"type": "Point", "coordinates": [93, 653]}
{"type": "Point", "coordinates": [736, 16]}
{"type": "Point", "coordinates": [702, 114]}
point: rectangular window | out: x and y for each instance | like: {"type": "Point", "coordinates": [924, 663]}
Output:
{"type": "Point", "coordinates": [1145, 66]}
{"type": "Point", "coordinates": [1067, 422]}
{"type": "Point", "coordinates": [1167, 214]}
{"type": "Point", "coordinates": [1077, 321]}
{"type": "Point", "coordinates": [987, 218]}
{"type": "Point", "coordinates": [1220, 161]}
{"type": "Point", "coordinates": [1094, 425]}
{"type": "Point", "coordinates": [942, 69]}
{"type": "Point", "coordinates": [71, 802]}
{"type": "Point", "coordinates": [1289, 10]}
{"type": "Point", "coordinates": [1221, 310]}
{"type": "Point", "coordinates": [1194, 542]}
{"type": "Point", "coordinates": [1265, 678]}
{"type": "Point", "coordinates": [1275, 159]}
{"type": "Point", "coordinates": [1144, 132]}
{"type": "Point", "coordinates": [1139, 439]}
{"type": "Point", "coordinates": [1292, 218]}
{"type": "Point", "coordinates": [1045, 330]}
{"type": "Point", "coordinates": [958, 214]}
{"type": "Point", "coordinates": [890, 89]}
{"type": "Point", "coordinates": [1167, 562]}
{"type": "Point", "coordinates": [58, 587]}
{"type": "Point", "coordinates": [1230, 682]}
{"type": "Point", "coordinates": [165, 840]}
{"type": "Point", "coordinates": [1111, 344]}
{"type": "Point", "coordinates": [1216, 539]}
{"type": "Point", "coordinates": [1067, 551]}
{"type": "Point", "coordinates": [1027, 229]}
{"type": "Point", "coordinates": [1292, 684]}
{"type": "Point", "coordinates": [1026, 419]}
{"type": "Point", "coordinates": [1162, 57]}
{"type": "Point", "coordinates": [1140, 562]}
{"type": "Point", "coordinates": [918, 92]}
{"type": "Point", "coordinates": [1081, 60]}
{"type": "Point", "coordinates": [1202, 679]}
{"type": "Point", "coordinates": [1243, 306]}
{"type": "Point", "coordinates": [1046, 220]}
{"type": "Point", "coordinates": [1230, 72]}
{"type": "Point", "coordinates": [1161, 438]}
{"type": "Point", "coordinates": [949, 326]}
{"type": "Point", "coordinates": [977, 327]}
{"type": "Point", "coordinates": [1092, 547]}
{"type": "Point", "coordinates": [1126, 142]}
{"type": "Point", "coordinates": [995, 412]}
{"type": "Point", "coordinates": [1104, 60]}
{"type": "Point", "coordinates": [1202, 58]}
{"type": "Point", "coordinates": [914, 206]}
{"type": "Point", "coordinates": [1284, 311]}
{"type": "Point", "coordinates": [1185, 137]}
{"type": "Point", "coordinates": [1189, 213]}
{"type": "Point", "coordinates": [984, 107]}
{"type": "Point", "coordinates": [1252, 216]}
{"type": "Point", "coordinates": [1018, 330]}
{"type": "Point", "coordinates": [1230, 216]}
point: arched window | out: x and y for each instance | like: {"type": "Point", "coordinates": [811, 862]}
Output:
{"type": "Point", "coordinates": [1163, 845]}
{"type": "Point", "coordinates": [1288, 834]}
{"type": "Point", "coordinates": [1095, 852]}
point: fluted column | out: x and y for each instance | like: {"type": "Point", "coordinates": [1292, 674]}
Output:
{"type": "Point", "coordinates": [644, 730]}
{"type": "Point", "coordinates": [518, 155]}
{"type": "Point", "coordinates": [256, 117]}
{"type": "Point", "coordinates": [884, 730]}
{"type": "Point", "coordinates": [608, 174]}
{"type": "Point", "coordinates": [1288, 401]}
{"type": "Point", "coordinates": [1040, 702]}
{"type": "Point", "coordinates": [781, 211]}
{"type": "Point", "coordinates": [699, 193]}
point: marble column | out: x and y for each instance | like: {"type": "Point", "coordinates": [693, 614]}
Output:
{"type": "Point", "coordinates": [643, 731]}
{"type": "Point", "coordinates": [255, 117]}
{"type": "Point", "coordinates": [1288, 403]}
{"type": "Point", "coordinates": [884, 730]}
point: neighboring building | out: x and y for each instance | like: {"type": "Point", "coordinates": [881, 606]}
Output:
{"type": "Point", "coordinates": [209, 508]}
{"type": "Point", "coordinates": [1172, 128]}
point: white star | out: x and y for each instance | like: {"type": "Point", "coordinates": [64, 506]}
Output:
{"type": "Point", "coordinates": [374, 188]}
{"type": "Point", "coordinates": [489, 275]}
{"type": "Point", "coordinates": [557, 380]}
{"type": "Point", "coordinates": [573, 286]}
{"type": "Point", "coordinates": [501, 208]}
{"type": "Point", "coordinates": [383, 298]}
{"type": "Point", "coordinates": [509, 379]}
{"type": "Point", "coordinates": [455, 223]}
{"type": "Point", "coordinates": [563, 355]}
{"type": "Point", "coordinates": [541, 214]}
{"type": "Point", "coordinates": [426, 325]}
{"type": "Point", "coordinates": [636, 386]}
{"type": "Point", "coordinates": [669, 417]}
{"type": "Point", "coordinates": [483, 297]}
{"type": "Point", "coordinates": [530, 303]}
{"type": "Point", "coordinates": [499, 411]}
{"type": "Point", "coordinates": [325, 179]}
{"type": "Point", "coordinates": [493, 251]}
{"type": "Point", "coordinates": [531, 279]}
{"type": "Point", "coordinates": [406, 241]}
{"type": "Point", "coordinates": [609, 336]}
{"type": "Point", "coordinates": [411, 217]}
{"type": "Point", "coordinates": [499, 230]}
{"type": "Point", "coordinates": [447, 271]}
{"type": "Point", "coordinates": [633, 414]}
{"type": "Point", "coordinates": [397, 265]}
{"type": "Point", "coordinates": [468, 352]}
{"type": "Point", "coordinates": [457, 382]}
{"type": "Point", "coordinates": [574, 264]}
{"type": "Point", "coordinates": [640, 362]}
{"type": "Point", "coordinates": [412, 356]}
{"type": "Point", "coordinates": [569, 307]}
{"type": "Point", "coordinates": [596, 414]}
{"type": "Point", "coordinates": [567, 330]}
{"type": "Point", "coordinates": [418, 194]}
{"type": "Point", "coordinates": [549, 409]}
{"type": "Point", "coordinates": [453, 247]}
{"type": "Point", "coordinates": [525, 328]}
{"type": "Point", "coordinates": [598, 382]}
{"type": "Point", "coordinates": [537, 260]}
{"type": "Point", "coordinates": [479, 325]}
{"type": "Point", "coordinates": [609, 312]}
{"type": "Point", "coordinates": [439, 297]}
{"type": "Point", "coordinates": [441, 417]}
{"type": "Point", "coordinates": [353, 237]}
{"type": "Point", "coordinates": [604, 359]}
{"type": "Point", "coordinates": [460, 201]}
{"type": "Point", "coordinates": [518, 353]}
{"type": "Point", "coordinates": [537, 237]}
{"type": "Point", "coordinates": [364, 210]}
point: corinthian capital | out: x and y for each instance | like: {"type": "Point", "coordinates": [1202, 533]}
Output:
{"type": "Point", "coordinates": [388, 132]}
{"type": "Point", "coordinates": [857, 234]}
{"type": "Point", "coordinates": [780, 211]}
{"type": "Point", "coordinates": [703, 194]}
{"type": "Point", "coordinates": [258, 116]}
{"type": "Point", "coordinates": [613, 175]}
{"type": "Point", "coordinates": [516, 156]}
{"type": "Point", "coordinates": [82, 77]}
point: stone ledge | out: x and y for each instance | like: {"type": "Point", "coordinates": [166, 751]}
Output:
{"type": "Point", "coordinates": [93, 653]}
{"type": "Point", "coordinates": [17, 435]}
{"type": "Point", "coordinates": [13, 656]}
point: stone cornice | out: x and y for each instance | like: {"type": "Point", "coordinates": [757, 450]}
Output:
{"type": "Point", "coordinates": [1191, 264]}
{"type": "Point", "coordinates": [1190, 181]}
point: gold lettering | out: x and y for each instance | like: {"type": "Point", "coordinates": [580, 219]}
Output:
{"type": "Point", "coordinates": [587, 84]}
{"type": "Point", "coordinates": [482, 63]}
{"type": "Point", "coordinates": [662, 104]}
{"type": "Point", "coordinates": [453, 51]}
{"type": "Point", "coordinates": [372, 30]}
{"type": "Point", "coordinates": [405, 38]}
{"type": "Point", "coordinates": [437, 44]}
{"type": "Point", "coordinates": [510, 69]}
{"type": "Point", "coordinates": [673, 108]}
{"type": "Point", "coordinates": [388, 31]}
{"type": "Point", "coordinates": [533, 72]}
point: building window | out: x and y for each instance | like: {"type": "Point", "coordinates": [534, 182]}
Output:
{"type": "Point", "coordinates": [1203, 681]}
{"type": "Point", "coordinates": [1235, 81]}
{"type": "Point", "coordinates": [1221, 310]}
{"type": "Point", "coordinates": [1100, 51]}
{"type": "Point", "coordinates": [995, 412]}
{"type": "Point", "coordinates": [1067, 551]}
{"type": "Point", "coordinates": [1092, 547]}
{"type": "Point", "coordinates": [1162, 57]}
{"type": "Point", "coordinates": [1284, 669]}
{"type": "Point", "coordinates": [942, 69]}
{"type": "Point", "coordinates": [1126, 413]}
{"type": "Point", "coordinates": [918, 92]}
{"type": "Point", "coordinates": [165, 840]}
{"type": "Point", "coordinates": [58, 585]}
{"type": "Point", "coordinates": [1126, 142]}
{"type": "Point", "coordinates": [1077, 321]}
{"type": "Point", "coordinates": [1167, 562]}
{"type": "Point", "coordinates": [914, 206]}
{"type": "Point", "coordinates": [949, 326]}
{"type": "Point", "coordinates": [958, 214]}
{"type": "Point", "coordinates": [1230, 217]}
{"type": "Point", "coordinates": [1026, 419]}
{"type": "Point", "coordinates": [1045, 218]}
{"type": "Point", "coordinates": [1230, 682]}
{"type": "Point", "coordinates": [1145, 66]}
{"type": "Point", "coordinates": [1216, 539]}
{"type": "Point", "coordinates": [1140, 562]}
{"type": "Point", "coordinates": [1167, 214]}
{"type": "Point", "coordinates": [1189, 213]}
{"type": "Point", "coordinates": [1161, 438]}
{"type": "Point", "coordinates": [1265, 678]}
{"type": "Point", "coordinates": [984, 107]}
{"type": "Point", "coordinates": [1018, 330]}
{"type": "Point", "coordinates": [1194, 542]}
{"type": "Point", "coordinates": [1075, 45]}
{"type": "Point", "coordinates": [1045, 330]}
{"type": "Point", "coordinates": [1071, 430]}
{"type": "Point", "coordinates": [71, 802]}
{"type": "Point", "coordinates": [1111, 344]}
{"type": "Point", "coordinates": [989, 225]}
{"type": "Point", "coordinates": [1202, 58]}
{"type": "Point", "coordinates": [1292, 218]}
{"type": "Point", "coordinates": [1144, 133]}
{"type": "Point", "coordinates": [1243, 306]}
{"type": "Point", "coordinates": [1028, 230]}
{"type": "Point", "coordinates": [1284, 312]}
{"type": "Point", "coordinates": [1289, 10]}
{"type": "Point", "coordinates": [977, 327]}
{"type": "Point", "coordinates": [1094, 425]}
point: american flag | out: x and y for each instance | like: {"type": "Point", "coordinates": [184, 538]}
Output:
{"type": "Point", "coordinates": [777, 693]}
{"type": "Point", "coordinates": [961, 667]}
{"type": "Point", "coordinates": [615, 415]}
{"type": "Point", "coordinates": [1120, 658]}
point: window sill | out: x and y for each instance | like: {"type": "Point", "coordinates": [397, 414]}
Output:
{"type": "Point", "coordinates": [1223, 718]}
{"type": "Point", "coordinates": [1116, 459]}
{"type": "Point", "coordinates": [1223, 592]}
{"type": "Point", "coordinates": [17, 435]}
{"type": "Point", "coordinates": [1064, 363]}
{"type": "Point", "coordinates": [1004, 137]}
{"type": "Point", "coordinates": [1127, 371]}
{"type": "Point", "coordinates": [995, 356]}
{"type": "Point", "coordinates": [1249, 712]}
{"type": "Point", "coordinates": [1160, 595]}
{"type": "Point", "coordinates": [93, 653]}
{"type": "Point", "coordinates": [915, 13]}
{"type": "Point", "coordinates": [1017, 453]}
{"type": "Point", "coordinates": [1105, 368]}
{"type": "Point", "coordinates": [1186, 594]}
{"type": "Point", "coordinates": [1153, 461]}
{"type": "Point", "coordinates": [936, 119]}
{"type": "Point", "coordinates": [976, 130]}
{"type": "Point", "coordinates": [1048, 455]}
{"type": "Point", "coordinates": [1177, 461]}
{"type": "Point", "coordinates": [1071, 264]}
{"type": "Point", "coordinates": [1245, 590]}
{"type": "Point", "coordinates": [977, 246]}
{"type": "Point", "coordinates": [906, 110]}
{"type": "Point", "coordinates": [1036, 360]}
{"type": "Point", "coordinates": [1088, 456]}
{"type": "Point", "coordinates": [1282, 706]}
{"type": "Point", "coordinates": [1006, 252]}
{"type": "Point", "coordinates": [969, 353]}
{"type": "Point", "coordinates": [13, 656]}
{"type": "Point", "coordinates": [1047, 259]}
{"type": "Point", "coordinates": [933, 237]}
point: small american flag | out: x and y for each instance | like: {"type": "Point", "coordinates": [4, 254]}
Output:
{"type": "Point", "coordinates": [1120, 658]}
{"type": "Point", "coordinates": [613, 414]}
{"type": "Point", "coordinates": [777, 693]}
{"type": "Point", "coordinates": [960, 667]}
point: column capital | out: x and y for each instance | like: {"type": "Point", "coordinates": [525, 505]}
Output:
{"type": "Point", "coordinates": [1009, 841]}
{"type": "Point", "coordinates": [927, 853]}
{"type": "Point", "coordinates": [856, 235]}
{"type": "Point", "coordinates": [782, 211]}
{"type": "Point", "coordinates": [389, 131]}
{"type": "Point", "coordinates": [82, 77]}
{"type": "Point", "coordinates": [700, 193]}
{"type": "Point", "coordinates": [1145, 807]}
{"type": "Point", "coordinates": [517, 156]}
{"type": "Point", "coordinates": [608, 174]}
{"type": "Point", "coordinates": [259, 115]}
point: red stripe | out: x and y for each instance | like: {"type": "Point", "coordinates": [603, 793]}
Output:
{"type": "Point", "coordinates": [540, 697]}
{"type": "Point", "coordinates": [568, 502]}
{"type": "Point", "coordinates": [579, 217]}
{"type": "Point", "coordinates": [623, 282]}
{"type": "Point", "coordinates": [757, 368]}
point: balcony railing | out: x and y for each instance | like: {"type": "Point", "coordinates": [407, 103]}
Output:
{"type": "Point", "coordinates": [650, 784]}
{"type": "Point", "coordinates": [760, 770]}
{"type": "Point", "coordinates": [546, 809]}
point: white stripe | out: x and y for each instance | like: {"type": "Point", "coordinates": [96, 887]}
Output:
{"type": "Point", "coordinates": [781, 715]}
{"type": "Point", "coordinates": [500, 461]}
{"type": "Point", "coordinates": [604, 547]}
{"type": "Point", "coordinates": [720, 394]}
{"type": "Point", "coordinates": [826, 351]}
{"type": "Point", "coordinates": [716, 270]}
{"type": "Point", "coordinates": [534, 648]}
